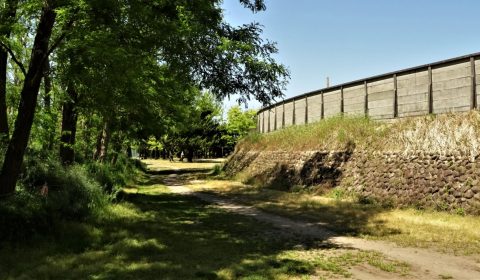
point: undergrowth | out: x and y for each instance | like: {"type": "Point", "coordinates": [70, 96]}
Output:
{"type": "Point", "coordinates": [49, 194]}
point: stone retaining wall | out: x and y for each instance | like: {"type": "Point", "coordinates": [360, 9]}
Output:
{"type": "Point", "coordinates": [423, 180]}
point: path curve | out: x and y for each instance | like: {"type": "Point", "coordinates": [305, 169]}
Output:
{"type": "Point", "coordinates": [425, 263]}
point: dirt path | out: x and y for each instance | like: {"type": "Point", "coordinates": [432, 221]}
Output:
{"type": "Point", "coordinates": [425, 264]}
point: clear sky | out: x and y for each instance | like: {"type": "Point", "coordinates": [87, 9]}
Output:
{"type": "Point", "coordinates": [352, 39]}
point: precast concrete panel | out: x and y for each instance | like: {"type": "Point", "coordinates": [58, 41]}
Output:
{"type": "Point", "coordinates": [279, 116]}
{"type": "Point", "coordinates": [332, 104]}
{"type": "Point", "coordinates": [354, 100]}
{"type": "Point", "coordinates": [288, 113]}
{"type": "Point", "coordinates": [452, 88]}
{"type": "Point", "coordinates": [314, 108]}
{"type": "Point", "coordinates": [381, 99]}
{"type": "Point", "coordinates": [271, 116]}
{"type": "Point", "coordinates": [412, 92]}
{"type": "Point", "coordinates": [300, 111]}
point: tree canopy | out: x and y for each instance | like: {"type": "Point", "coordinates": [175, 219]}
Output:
{"type": "Point", "coordinates": [86, 79]}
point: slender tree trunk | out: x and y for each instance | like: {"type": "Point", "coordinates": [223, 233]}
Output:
{"type": "Point", "coordinates": [69, 127]}
{"type": "Point", "coordinates": [47, 101]}
{"type": "Point", "coordinates": [26, 110]}
{"type": "Point", "coordinates": [7, 18]}
{"type": "Point", "coordinates": [102, 143]}
{"type": "Point", "coordinates": [129, 151]}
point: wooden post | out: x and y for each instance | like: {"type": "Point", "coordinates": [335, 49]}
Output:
{"type": "Point", "coordinates": [342, 105]}
{"type": "Point", "coordinates": [366, 98]}
{"type": "Point", "coordinates": [322, 113]}
{"type": "Point", "coordinates": [473, 101]}
{"type": "Point", "coordinates": [306, 109]}
{"type": "Point", "coordinates": [395, 96]}
{"type": "Point", "coordinates": [430, 90]}
{"type": "Point", "coordinates": [293, 115]}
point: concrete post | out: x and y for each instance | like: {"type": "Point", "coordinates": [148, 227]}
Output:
{"type": "Point", "coordinates": [322, 114]}
{"type": "Point", "coordinates": [342, 105]}
{"type": "Point", "coordinates": [473, 100]}
{"type": "Point", "coordinates": [366, 98]}
{"type": "Point", "coordinates": [306, 109]}
{"type": "Point", "coordinates": [263, 122]}
{"type": "Point", "coordinates": [275, 120]}
{"type": "Point", "coordinates": [293, 115]}
{"type": "Point", "coordinates": [430, 90]}
{"type": "Point", "coordinates": [268, 122]}
{"type": "Point", "coordinates": [395, 96]}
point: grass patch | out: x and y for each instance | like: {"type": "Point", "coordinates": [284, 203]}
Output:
{"type": "Point", "coordinates": [442, 231]}
{"type": "Point", "coordinates": [155, 234]}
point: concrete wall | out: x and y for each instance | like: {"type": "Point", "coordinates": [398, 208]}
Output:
{"type": "Point", "coordinates": [315, 108]}
{"type": "Point", "coordinates": [288, 114]}
{"type": "Point", "coordinates": [442, 87]}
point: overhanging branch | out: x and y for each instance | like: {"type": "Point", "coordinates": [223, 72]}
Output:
{"type": "Point", "coordinates": [14, 58]}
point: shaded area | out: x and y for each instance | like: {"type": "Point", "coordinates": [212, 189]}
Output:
{"type": "Point", "coordinates": [162, 236]}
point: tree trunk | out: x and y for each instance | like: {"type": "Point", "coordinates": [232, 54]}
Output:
{"type": "Point", "coordinates": [69, 127]}
{"type": "Point", "coordinates": [47, 82]}
{"type": "Point", "coordinates": [102, 143]}
{"type": "Point", "coordinates": [190, 155]}
{"type": "Point", "coordinates": [129, 151]}
{"type": "Point", "coordinates": [28, 101]}
{"type": "Point", "coordinates": [7, 18]}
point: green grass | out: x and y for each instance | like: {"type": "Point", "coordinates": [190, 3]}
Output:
{"type": "Point", "coordinates": [445, 232]}
{"type": "Point", "coordinates": [154, 234]}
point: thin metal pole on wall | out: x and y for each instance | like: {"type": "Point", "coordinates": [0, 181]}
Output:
{"type": "Point", "coordinates": [395, 96]}
{"type": "Point", "coordinates": [473, 101]}
{"type": "Point", "coordinates": [366, 98]}
{"type": "Point", "coordinates": [430, 90]}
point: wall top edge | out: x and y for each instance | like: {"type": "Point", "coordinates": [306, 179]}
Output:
{"type": "Point", "coordinates": [373, 78]}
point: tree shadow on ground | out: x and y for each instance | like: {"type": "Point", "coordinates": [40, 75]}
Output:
{"type": "Point", "coordinates": [161, 236]}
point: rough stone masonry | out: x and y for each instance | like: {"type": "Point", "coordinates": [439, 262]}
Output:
{"type": "Point", "coordinates": [444, 182]}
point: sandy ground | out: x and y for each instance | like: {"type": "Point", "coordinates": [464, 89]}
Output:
{"type": "Point", "coordinates": [425, 264]}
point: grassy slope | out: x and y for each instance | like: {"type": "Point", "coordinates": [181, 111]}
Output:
{"type": "Point", "coordinates": [450, 133]}
{"type": "Point", "coordinates": [154, 234]}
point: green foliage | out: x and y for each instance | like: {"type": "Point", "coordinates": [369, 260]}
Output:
{"type": "Point", "coordinates": [113, 176]}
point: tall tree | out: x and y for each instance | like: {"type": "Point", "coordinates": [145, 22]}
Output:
{"type": "Point", "coordinates": [7, 19]}
{"type": "Point", "coordinates": [23, 124]}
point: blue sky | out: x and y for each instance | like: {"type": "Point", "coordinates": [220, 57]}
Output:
{"type": "Point", "coordinates": [352, 39]}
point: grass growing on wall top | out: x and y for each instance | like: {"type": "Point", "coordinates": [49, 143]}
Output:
{"type": "Point", "coordinates": [440, 134]}
{"type": "Point", "coordinates": [334, 133]}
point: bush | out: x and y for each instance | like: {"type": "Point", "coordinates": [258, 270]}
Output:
{"type": "Point", "coordinates": [114, 176]}
{"type": "Point", "coordinates": [47, 193]}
